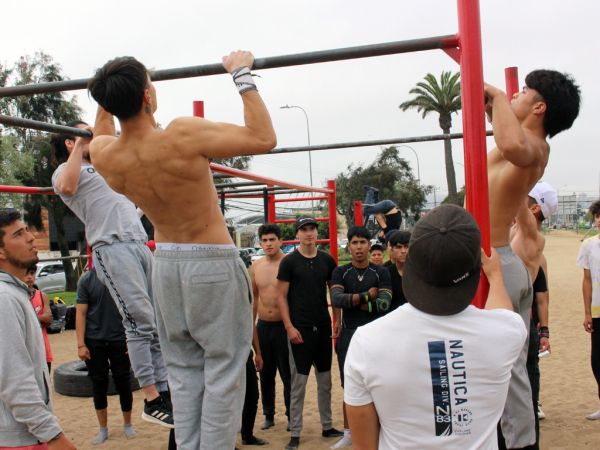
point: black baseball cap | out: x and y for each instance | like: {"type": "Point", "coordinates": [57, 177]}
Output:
{"type": "Point", "coordinates": [443, 265]}
{"type": "Point", "coordinates": [304, 220]}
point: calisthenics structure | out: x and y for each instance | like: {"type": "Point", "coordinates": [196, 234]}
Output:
{"type": "Point", "coordinates": [464, 48]}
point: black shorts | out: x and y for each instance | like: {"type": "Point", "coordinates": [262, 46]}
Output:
{"type": "Point", "coordinates": [341, 349]}
{"type": "Point", "coordinates": [316, 349]}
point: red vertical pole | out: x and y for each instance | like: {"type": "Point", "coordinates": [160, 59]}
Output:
{"type": "Point", "coordinates": [271, 210]}
{"type": "Point", "coordinates": [358, 215]}
{"type": "Point", "coordinates": [333, 244]}
{"type": "Point", "coordinates": [511, 75]}
{"type": "Point", "coordinates": [198, 108]}
{"type": "Point", "coordinates": [471, 70]}
{"type": "Point", "coordinates": [90, 260]}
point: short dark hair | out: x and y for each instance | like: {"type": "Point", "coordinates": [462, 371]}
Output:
{"type": "Point", "coordinates": [375, 247]}
{"type": "Point", "coordinates": [595, 208]}
{"type": "Point", "coordinates": [119, 86]}
{"type": "Point", "coordinates": [399, 237]}
{"type": "Point", "coordinates": [561, 96]}
{"type": "Point", "coordinates": [269, 228]}
{"type": "Point", "coordinates": [32, 269]}
{"type": "Point", "coordinates": [538, 215]}
{"type": "Point", "coordinates": [57, 141]}
{"type": "Point", "coordinates": [360, 232]}
{"type": "Point", "coordinates": [7, 217]}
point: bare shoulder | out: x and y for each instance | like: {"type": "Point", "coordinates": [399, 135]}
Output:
{"type": "Point", "coordinates": [540, 147]}
{"type": "Point", "coordinates": [99, 146]}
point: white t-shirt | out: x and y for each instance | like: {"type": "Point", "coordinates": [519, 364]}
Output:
{"type": "Point", "coordinates": [436, 381]}
{"type": "Point", "coordinates": [589, 258]}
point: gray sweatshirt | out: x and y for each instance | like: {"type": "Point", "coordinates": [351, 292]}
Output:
{"type": "Point", "coordinates": [25, 393]}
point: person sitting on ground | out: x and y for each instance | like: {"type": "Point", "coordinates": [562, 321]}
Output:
{"type": "Point", "coordinates": [41, 305]}
{"type": "Point", "coordinates": [387, 215]}
{"type": "Point", "coordinates": [376, 254]}
{"type": "Point", "coordinates": [399, 250]}
{"type": "Point", "coordinates": [589, 260]}
{"type": "Point", "coordinates": [391, 261]}
{"type": "Point", "coordinates": [363, 291]}
{"type": "Point", "coordinates": [101, 344]}
{"type": "Point", "coordinates": [444, 354]}
{"type": "Point", "coordinates": [26, 413]}
{"type": "Point", "coordinates": [548, 104]}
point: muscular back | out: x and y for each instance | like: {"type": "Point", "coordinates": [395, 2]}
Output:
{"type": "Point", "coordinates": [173, 185]}
{"type": "Point", "coordinates": [509, 185]}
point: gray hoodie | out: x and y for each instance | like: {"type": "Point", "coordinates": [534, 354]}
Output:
{"type": "Point", "coordinates": [25, 394]}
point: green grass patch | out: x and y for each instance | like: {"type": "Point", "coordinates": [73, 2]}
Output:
{"type": "Point", "coordinates": [69, 298]}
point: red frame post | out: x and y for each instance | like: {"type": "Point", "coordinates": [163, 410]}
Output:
{"type": "Point", "coordinates": [358, 215]}
{"type": "Point", "coordinates": [199, 108]}
{"type": "Point", "coordinates": [471, 70]}
{"type": "Point", "coordinates": [271, 211]}
{"type": "Point", "coordinates": [511, 75]}
{"type": "Point", "coordinates": [333, 244]}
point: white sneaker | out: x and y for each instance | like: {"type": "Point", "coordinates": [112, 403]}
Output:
{"type": "Point", "coordinates": [541, 415]}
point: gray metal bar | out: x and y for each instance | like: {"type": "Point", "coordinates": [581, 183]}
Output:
{"type": "Point", "coordinates": [63, 258]}
{"type": "Point", "coordinates": [259, 193]}
{"type": "Point", "coordinates": [43, 126]}
{"type": "Point", "coordinates": [221, 176]}
{"type": "Point", "coordinates": [233, 185]}
{"type": "Point", "coordinates": [272, 62]}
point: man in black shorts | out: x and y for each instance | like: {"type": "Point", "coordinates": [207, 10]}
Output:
{"type": "Point", "coordinates": [363, 291]}
{"type": "Point", "coordinates": [387, 215]}
{"type": "Point", "coordinates": [398, 243]}
{"type": "Point", "coordinates": [302, 298]}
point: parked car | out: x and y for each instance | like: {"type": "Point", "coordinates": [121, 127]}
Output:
{"type": "Point", "coordinates": [50, 277]}
{"type": "Point", "coordinates": [288, 248]}
{"type": "Point", "coordinates": [246, 256]}
{"type": "Point", "coordinates": [250, 250]}
{"type": "Point", "coordinates": [343, 243]}
{"type": "Point", "coordinates": [259, 254]}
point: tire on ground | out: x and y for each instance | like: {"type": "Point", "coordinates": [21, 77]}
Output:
{"type": "Point", "coordinates": [71, 379]}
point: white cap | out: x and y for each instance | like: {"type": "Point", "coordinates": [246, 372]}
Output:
{"type": "Point", "coordinates": [545, 196]}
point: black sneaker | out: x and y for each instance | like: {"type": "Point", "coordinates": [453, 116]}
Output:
{"type": "Point", "coordinates": [166, 396]}
{"type": "Point", "coordinates": [369, 188]}
{"type": "Point", "coordinates": [293, 444]}
{"type": "Point", "coordinates": [253, 440]}
{"type": "Point", "coordinates": [158, 412]}
{"type": "Point", "coordinates": [332, 432]}
{"type": "Point", "coordinates": [268, 423]}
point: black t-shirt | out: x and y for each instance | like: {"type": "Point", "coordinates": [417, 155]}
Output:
{"type": "Point", "coordinates": [103, 320]}
{"type": "Point", "coordinates": [392, 222]}
{"type": "Point", "coordinates": [539, 285]}
{"type": "Point", "coordinates": [388, 263]}
{"type": "Point", "coordinates": [307, 295]}
{"type": "Point", "coordinates": [398, 298]}
{"type": "Point", "coordinates": [347, 276]}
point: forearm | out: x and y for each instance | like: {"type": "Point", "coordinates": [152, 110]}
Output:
{"type": "Point", "coordinates": [80, 328]}
{"type": "Point", "coordinates": [284, 310]}
{"type": "Point", "coordinates": [255, 344]}
{"type": "Point", "coordinates": [68, 180]}
{"type": "Point", "coordinates": [339, 299]}
{"type": "Point", "coordinates": [498, 297]}
{"type": "Point", "coordinates": [587, 296]}
{"type": "Point", "coordinates": [337, 314]}
{"type": "Point", "coordinates": [542, 307]}
{"type": "Point", "coordinates": [105, 123]}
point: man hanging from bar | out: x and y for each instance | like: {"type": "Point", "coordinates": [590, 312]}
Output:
{"type": "Point", "coordinates": [387, 215]}
{"type": "Point", "coordinates": [202, 290]}
{"type": "Point", "coordinates": [548, 104]}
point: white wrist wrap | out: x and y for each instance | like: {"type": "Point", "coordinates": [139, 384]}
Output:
{"type": "Point", "coordinates": [243, 79]}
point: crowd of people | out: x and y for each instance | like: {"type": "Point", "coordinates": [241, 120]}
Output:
{"type": "Point", "coordinates": [195, 327]}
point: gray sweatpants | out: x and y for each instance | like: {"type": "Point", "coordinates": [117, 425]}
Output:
{"type": "Point", "coordinates": [298, 392]}
{"type": "Point", "coordinates": [204, 317]}
{"type": "Point", "coordinates": [125, 268]}
{"type": "Point", "coordinates": [518, 419]}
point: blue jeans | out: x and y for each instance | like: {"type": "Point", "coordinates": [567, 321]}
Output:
{"type": "Point", "coordinates": [382, 207]}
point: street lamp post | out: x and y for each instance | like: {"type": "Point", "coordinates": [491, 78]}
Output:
{"type": "Point", "coordinates": [418, 167]}
{"type": "Point", "coordinates": [558, 199]}
{"type": "Point", "coordinates": [309, 156]}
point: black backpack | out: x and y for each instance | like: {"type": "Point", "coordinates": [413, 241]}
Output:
{"type": "Point", "coordinates": [70, 318]}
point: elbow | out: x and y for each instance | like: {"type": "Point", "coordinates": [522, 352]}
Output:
{"type": "Point", "coordinates": [67, 190]}
{"type": "Point", "coordinates": [514, 152]}
{"type": "Point", "coordinates": [267, 143]}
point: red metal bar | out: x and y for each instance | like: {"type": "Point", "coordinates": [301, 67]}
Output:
{"type": "Point", "coordinates": [299, 199]}
{"type": "Point", "coordinates": [471, 69]}
{"type": "Point", "coordinates": [198, 108]}
{"type": "Point", "coordinates": [358, 215]}
{"type": "Point", "coordinates": [271, 211]}
{"type": "Point", "coordinates": [270, 181]}
{"type": "Point", "coordinates": [27, 190]}
{"type": "Point", "coordinates": [511, 75]}
{"type": "Point", "coordinates": [318, 219]}
{"type": "Point", "coordinates": [90, 259]}
{"type": "Point", "coordinates": [333, 247]}
{"type": "Point", "coordinates": [318, 241]}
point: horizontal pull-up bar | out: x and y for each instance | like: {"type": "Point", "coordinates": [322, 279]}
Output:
{"type": "Point", "coordinates": [256, 190]}
{"type": "Point", "coordinates": [261, 195]}
{"type": "Point", "coordinates": [26, 190]}
{"type": "Point", "coordinates": [318, 219]}
{"type": "Point", "coordinates": [234, 185]}
{"type": "Point", "coordinates": [298, 199]}
{"type": "Point", "coordinates": [272, 62]}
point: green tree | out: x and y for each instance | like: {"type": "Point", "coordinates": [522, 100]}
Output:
{"type": "Point", "coordinates": [389, 173]}
{"type": "Point", "coordinates": [444, 99]}
{"type": "Point", "coordinates": [16, 161]}
{"type": "Point", "coordinates": [460, 198]}
{"type": "Point", "coordinates": [53, 108]}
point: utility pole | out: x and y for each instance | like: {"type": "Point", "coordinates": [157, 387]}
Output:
{"type": "Point", "coordinates": [434, 200]}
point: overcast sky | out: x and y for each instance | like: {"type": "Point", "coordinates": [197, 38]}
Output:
{"type": "Point", "coordinates": [345, 101]}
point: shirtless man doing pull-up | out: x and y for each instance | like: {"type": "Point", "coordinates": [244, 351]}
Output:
{"type": "Point", "coordinates": [548, 104]}
{"type": "Point", "coordinates": [202, 289]}
{"type": "Point", "coordinates": [270, 328]}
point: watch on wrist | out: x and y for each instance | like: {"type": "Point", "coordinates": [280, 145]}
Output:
{"type": "Point", "coordinates": [56, 437]}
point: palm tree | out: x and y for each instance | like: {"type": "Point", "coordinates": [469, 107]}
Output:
{"type": "Point", "coordinates": [444, 99]}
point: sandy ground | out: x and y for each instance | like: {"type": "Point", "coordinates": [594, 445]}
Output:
{"type": "Point", "coordinates": [568, 392]}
